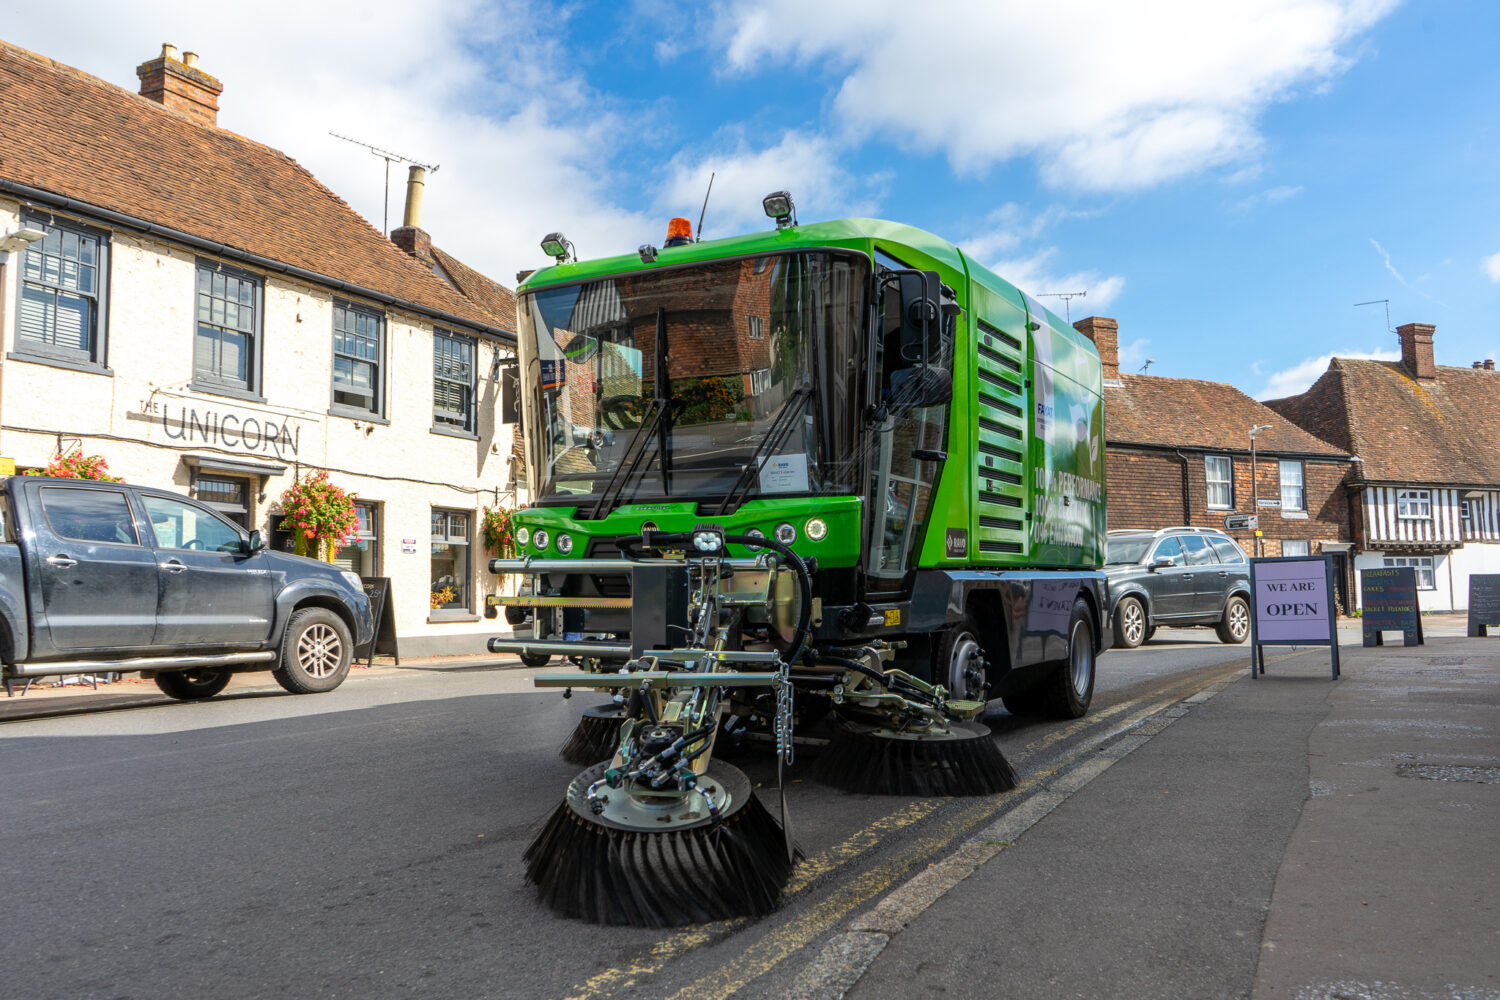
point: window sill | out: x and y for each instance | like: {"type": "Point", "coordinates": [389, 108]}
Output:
{"type": "Point", "coordinates": [464, 435]}
{"type": "Point", "coordinates": [444, 617]}
{"type": "Point", "coordinates": [88, 367]}
{"type": "Point", "coordinates": [1214, 506]}
{"type": "Point", "coordinates": [365, 415]}
{"type": "Point", "coordinates": [226, 390]}
{"type": "Point", "coordinates": [1294, 515]}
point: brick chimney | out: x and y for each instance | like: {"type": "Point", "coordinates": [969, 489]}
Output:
{"type": "Point", "coordinates": [180, 85]}
{"type": "Point", "coordinates": [1416, 349]}
{"type": "Point", "coordinates": [1105, 333]}
{"type": "Point", "coordinates": [411, 237]}
{"type": "Point", "coordinates": [1489, 364]}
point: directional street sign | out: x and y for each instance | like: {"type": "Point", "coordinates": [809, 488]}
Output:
{"type": "Point", "coordinates": [1241, 522]}
{"type": "Point", "coordinates": [1273, 502]}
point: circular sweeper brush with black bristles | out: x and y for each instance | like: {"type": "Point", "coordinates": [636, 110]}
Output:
{"type": "Point", "coordinates": [597, 735]}
{"type": "Point", "coordinates": [660, 862]}
{"type": "Point", "coordinates": [869, 759]}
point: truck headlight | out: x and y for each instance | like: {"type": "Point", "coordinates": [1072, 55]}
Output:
{"type": "Point", "coordinates": [565, 543]}
{"type": "Point", "coordinates": [539, 538]}
{"type": "Point", "coordinates": [523, 535]}
{"type": "Point", "coordinates": [785, 533]}
{"type": "Point", "coordinates": [352, 579]}
{"type": "Point", "coordinates": [816, 529]}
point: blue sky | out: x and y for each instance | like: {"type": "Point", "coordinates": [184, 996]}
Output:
{"type": "Point", "coordinates": [1225, 179]}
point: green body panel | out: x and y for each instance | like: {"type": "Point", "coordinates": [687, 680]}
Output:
{"type": "Point", "coordinates": [1024, 476]}
{"type": "Point", "coordinates": [839, 548]}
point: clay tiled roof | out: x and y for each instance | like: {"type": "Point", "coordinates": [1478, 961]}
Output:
{"type": "Point", "coordinates": [1440, 430]}
{"type": "Point", "coordinates": [1185, 413]}
{"type": "Point", "coordinates": [493, 297]}
{"type": "Point", "coordinates": [77, 136]}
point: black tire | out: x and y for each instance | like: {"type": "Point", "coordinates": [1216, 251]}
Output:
{"type": "Point", "coordinates": [1234, 627]}
{"type": "Point", "coordinates": [1132, 626]}
{"type": "Point", "coordinates": [193, 685]}
{"type": "Point", "coordinates": [1068, 691]}
{"type": "Point", "coordinates": [315, 653]}
{"type": "Point", "coordinates": [959, 662]}
{"type": "Point", "coordinates": [536, 659]}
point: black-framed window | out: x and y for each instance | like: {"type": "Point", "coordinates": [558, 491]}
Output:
{"type": "Point", "coordinates": [229, 495]}
{"type": "Point", "coordinates": [1218, 471]}
{"type": "Point", "coordinates": [226, 344]}
{"type": "Point", "coordinates": [362, 554]}
{"type": "Point", "coordinates": [358, 353]}
{"type": "Point", "coordinates": [449, 592]}
{"type": "Point", "coordinates": [63, 306]}
{"type": "Point", "coordinates": [452, 381]}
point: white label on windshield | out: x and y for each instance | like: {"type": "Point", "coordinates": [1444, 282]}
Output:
{"type": "Point", "coordinates": [784, 474]}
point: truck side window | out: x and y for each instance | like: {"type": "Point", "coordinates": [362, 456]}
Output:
{"type": "Point", "coordinates": [183, 526]}
{"type": "Point", "coordinates": [89, 515]}
{"type": "Point", "coordinates": [1168, 548]}
{"type": "Point", "coordinates": [1198, 552]}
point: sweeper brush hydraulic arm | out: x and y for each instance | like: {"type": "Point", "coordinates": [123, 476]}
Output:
{"type": "Point", "coordinates": [657, 832]}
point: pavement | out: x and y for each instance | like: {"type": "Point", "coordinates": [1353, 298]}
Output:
{"type": "Point", "coordinates": [1287, 837]}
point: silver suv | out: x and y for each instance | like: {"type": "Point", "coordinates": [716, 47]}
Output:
{"type": "Point", "coordinates": [1177, 577]}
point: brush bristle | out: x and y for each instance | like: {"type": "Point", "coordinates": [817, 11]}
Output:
{"type": "Point", "coordinates": [597, 735]}
{"type": "Point", "coordinates": [587, 871]}
{"type": "Point", "coordinates": [859, 760]}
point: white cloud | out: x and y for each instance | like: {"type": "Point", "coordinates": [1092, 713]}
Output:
{"type": "Point", "coordinates": [468, 84]}
{"type": "Point", "coordinates": [1297, 378]}
{"type": "Point", "coordinates": [1491, 267]}
{"type": "Point", "coordinates": [1270, 196]}
{"type": "Point", "coordinates": [1386, 256]}
{"type": "Point", "coordinates": [1105, 95]}
{"type": "Point", "coordinates": [1011, 228]}
{"type": "Point", "coordinates": [810, 166]}
{"type": "Point", "coordinates": [1133, 354]}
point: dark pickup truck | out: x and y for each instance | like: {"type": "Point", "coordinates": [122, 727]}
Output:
{"type": "Point", "coordinates": [98, 577]}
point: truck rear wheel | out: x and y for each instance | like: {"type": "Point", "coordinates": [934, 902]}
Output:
{"type": "Point", "coordinates": [315, 654]}
{"type": "Point", "coordinates": [192, 685]}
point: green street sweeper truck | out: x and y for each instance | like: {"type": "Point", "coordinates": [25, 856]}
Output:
{"type": "Point", "coordinates": [833, 479]}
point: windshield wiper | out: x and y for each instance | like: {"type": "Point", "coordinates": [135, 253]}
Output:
{"type": "Point", "coordinates": [657, 411]}
{"type": "Point", "coordinates": [775, 435]}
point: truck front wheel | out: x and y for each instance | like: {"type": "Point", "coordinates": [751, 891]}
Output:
{"type": "Point", "coordinates": [192, 685]}
{"type": "Point", "coordinates": [315, 654]}
{"type": "Point", "coordinates": [960, 662]}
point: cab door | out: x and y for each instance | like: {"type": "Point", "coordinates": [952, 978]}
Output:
{"type": "Point", "coordinates": [214, 592]}
{"type": "Point", "coordinates": [97, 581]}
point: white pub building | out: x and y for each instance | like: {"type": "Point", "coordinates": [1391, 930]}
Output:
{"type": "Point", "coordinates": [199, 310]}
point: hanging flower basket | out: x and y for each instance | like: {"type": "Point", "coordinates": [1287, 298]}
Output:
{"type": "Point", "coordinates": [320, 516]}
{"type": "Point", "coordinates": [77, 465]}
{"type": "Point", "coordinates": [499, 532]}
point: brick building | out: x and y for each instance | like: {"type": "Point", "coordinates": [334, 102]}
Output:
{"type": "Point", "coordinates": [197, 308]}
{"type": "Point", "coordinates": [1177, 452]}
{"type": "Point", "coordinates": [1426, 492]}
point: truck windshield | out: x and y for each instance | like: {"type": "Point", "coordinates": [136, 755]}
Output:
{"type": "Point", "coordinates": [667, 383]}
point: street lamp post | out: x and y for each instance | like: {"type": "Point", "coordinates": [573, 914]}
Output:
{"type": "Point", "coordinates": [1255, 485]}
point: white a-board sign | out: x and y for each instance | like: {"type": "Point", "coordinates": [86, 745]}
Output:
{"type": "Point", "coordinates": [1292, 605]}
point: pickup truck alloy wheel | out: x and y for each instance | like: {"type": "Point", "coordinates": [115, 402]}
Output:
{"type": "Point", "coordinates": [194, 684]}
{"type": "Point", "coordinates": [315, 652]}
{"type": "Point", "coordinates": [1130, 623]}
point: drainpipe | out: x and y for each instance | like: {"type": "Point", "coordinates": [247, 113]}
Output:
{"type": "Point", "coordinates": [1187, 496]}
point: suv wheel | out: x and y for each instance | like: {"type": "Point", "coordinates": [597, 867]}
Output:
{"type": "Point", "coordinates": [1130, 623]}
{"type": "Point", "coordinates": [1235, 625]}
{"type": "Point", "coordinates": [315, 652]}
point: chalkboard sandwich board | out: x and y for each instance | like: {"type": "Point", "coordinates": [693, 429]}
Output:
{"type": "Point", "coordinates": [1484, 602]}
{"type": "Point", "coordinates": [1389, 599]}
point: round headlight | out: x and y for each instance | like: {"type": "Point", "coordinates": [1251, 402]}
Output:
{"type": "Point", "coordinates": [523, 535]}
{"type": "Point", "coordinates": [565, 544]}
{"type": "Point", "coordinates": [539, 538]}
{"type": "Point", "coordinates": [785, 533]}
{"type": "Point", "coordinates": [816, 529]}
{"type": "Point", "coordinates": [755, 533]}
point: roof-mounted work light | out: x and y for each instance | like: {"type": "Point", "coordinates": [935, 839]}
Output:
{"type": "Point", "coordinates": [558, 247]}
{"type": "Point", "coordinates": [778, 205]}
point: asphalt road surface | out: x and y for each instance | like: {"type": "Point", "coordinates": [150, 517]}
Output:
{"type": "Point", "coordinates": [367, 843]}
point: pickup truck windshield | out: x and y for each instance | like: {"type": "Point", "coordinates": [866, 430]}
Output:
{"type": "Point", "coordinates": [669, 382]}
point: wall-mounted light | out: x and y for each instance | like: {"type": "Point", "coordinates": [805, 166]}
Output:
{"type": "Point", "coordinates": [19, 240]}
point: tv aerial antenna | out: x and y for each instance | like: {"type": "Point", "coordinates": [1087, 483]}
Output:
{"type": "Point", "coordinates": [1067, 298]}
{"type": "Point", "coordinates": [389, 158]}
{"type": "Point", "coordinates": [1387, 304]}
